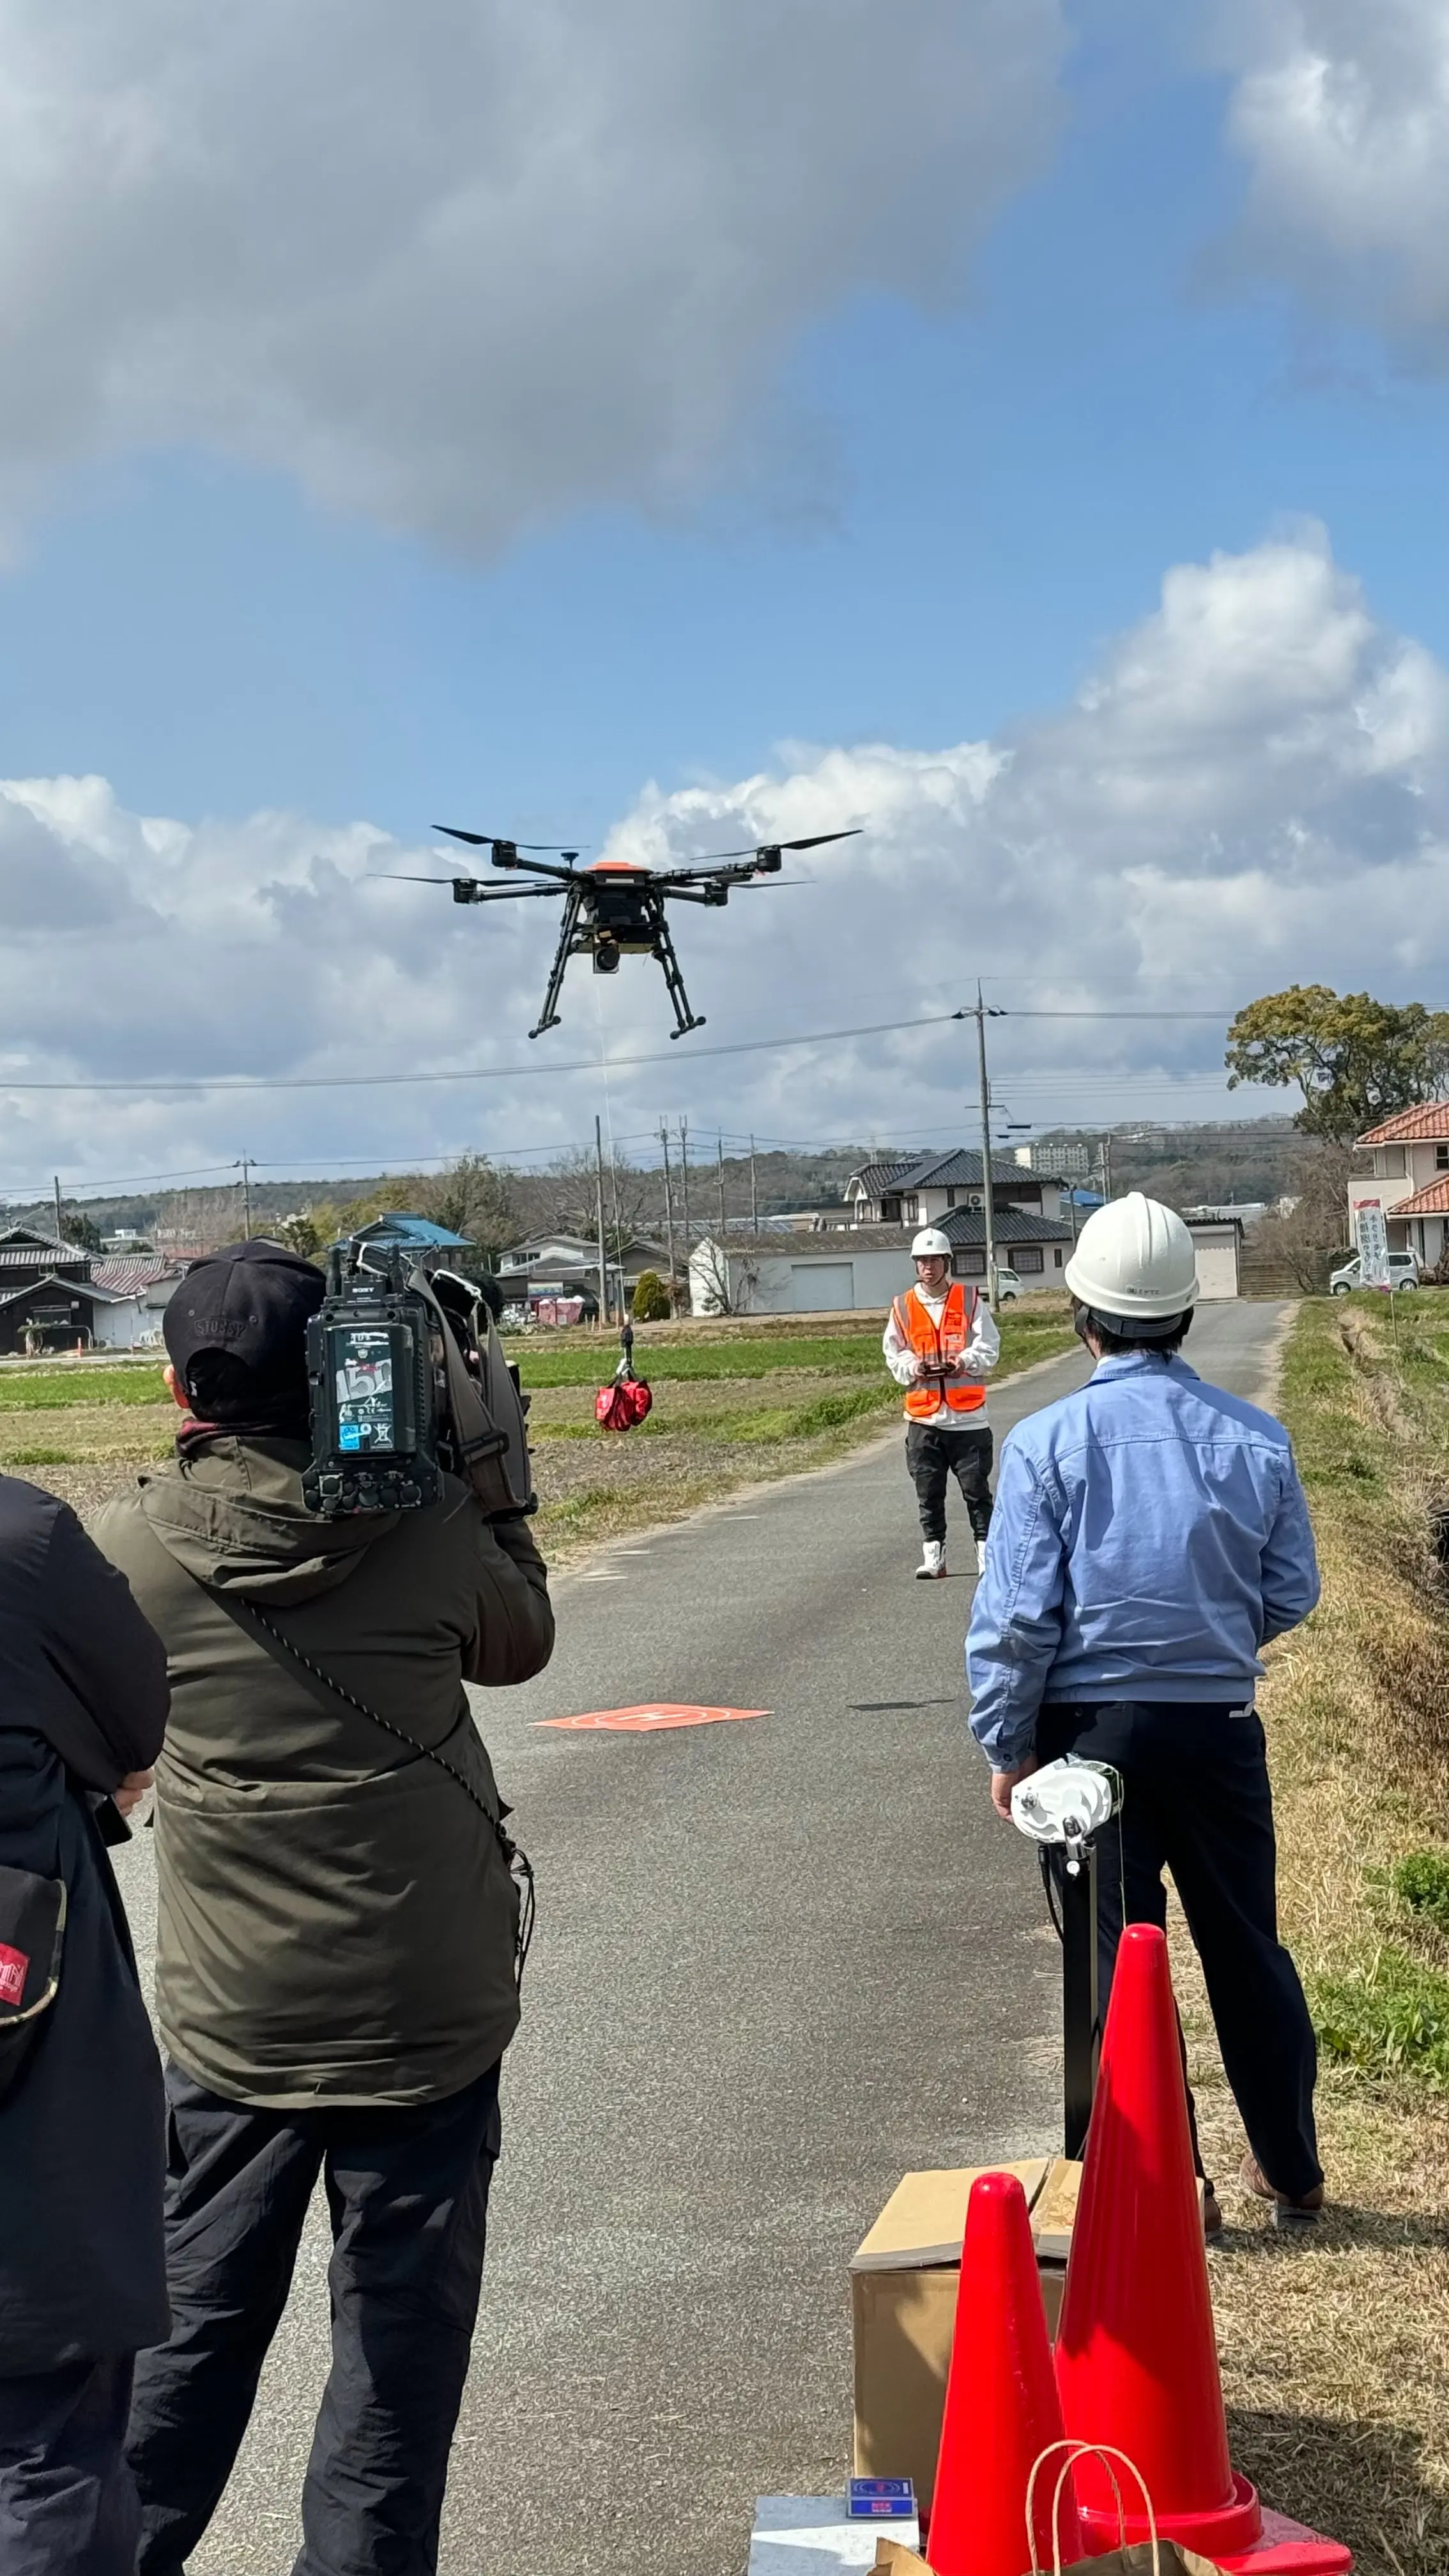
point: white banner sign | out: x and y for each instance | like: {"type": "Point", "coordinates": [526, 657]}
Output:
{"type": "Point", "coordinates": [1373, 1243]}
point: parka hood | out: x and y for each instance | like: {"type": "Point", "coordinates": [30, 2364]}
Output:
{"type": "Point", "coordinates": [232, 1514]}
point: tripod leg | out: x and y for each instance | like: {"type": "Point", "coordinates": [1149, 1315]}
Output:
{"type": "Point", "coordinates": [1079, 1997]}
{"type": "Point", "coordinates": [674, 981]}
{"type": "Point", "coordinates": [548, 1017]}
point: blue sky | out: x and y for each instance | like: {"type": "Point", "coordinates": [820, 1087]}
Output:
{"type": "Point", "coordinates": [926, 513]}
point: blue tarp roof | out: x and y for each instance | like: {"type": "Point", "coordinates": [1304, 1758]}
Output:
{"type": "Point", "coordinates": [414, 1229]}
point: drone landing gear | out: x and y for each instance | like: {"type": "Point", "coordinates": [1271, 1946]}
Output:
{"type": "Point", "coordinates": [674, 982]}
{"type": "Point", "coordinates": [548, 1017]}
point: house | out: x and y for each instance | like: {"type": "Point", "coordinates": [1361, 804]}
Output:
{"type": "Point", "coordinates": [49, 1300]}
{"type": "Point", "coordinates": [432, 1246]}
{"type": "Point", "coordinates": [780, 1273]}
{"type": "Point", "coordinates": [551, 1266]}
{"type": "Point", "coordinates": [924, 1190]}
{"type": "Point", "coordinates": [141, 1285]}
{"type": "Point", "coordinates": [1409, 1181]}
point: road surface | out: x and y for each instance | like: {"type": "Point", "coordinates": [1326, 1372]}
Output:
{"type": "Point", "coordinates": [779, 1963]}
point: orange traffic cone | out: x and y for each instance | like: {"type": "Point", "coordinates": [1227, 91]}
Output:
{"type": "Point", "coordinates": [1137, 2361]}
{"type": "Point", "coordinates": [1002, 2407]}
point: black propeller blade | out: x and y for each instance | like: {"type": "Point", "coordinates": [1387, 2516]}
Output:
{"type": "Point", "coordinates": [500, 840]}
{"type": "Point", "coordinates": [814, 842]}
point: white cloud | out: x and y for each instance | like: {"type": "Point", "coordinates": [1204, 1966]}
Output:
{"type": "Point", "coordinates": [465, 265]}
{"type": "Point", "coordinates": [1252, 789]}
{"type": "Point", "coordinates": [1341, 110]}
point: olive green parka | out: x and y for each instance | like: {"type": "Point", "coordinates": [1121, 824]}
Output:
{"type": "Point", "coordinates": [336, 1919]}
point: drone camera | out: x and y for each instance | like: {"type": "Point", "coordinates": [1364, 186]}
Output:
{"type": "Point", "coordinates": [606, 957]}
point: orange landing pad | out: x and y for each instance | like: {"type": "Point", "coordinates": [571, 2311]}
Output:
{"type": "Point", "coordinates": [649, 1719]}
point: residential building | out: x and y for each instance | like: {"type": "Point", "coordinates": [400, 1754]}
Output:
{"type": "Point", "coordinates": [548, 1267]}
{"type": "Point", "coordinates": [49, 1300]}
{"type": "Point", "coordinates": [1409, 1180]}
{"type": "Point", "coordinates": [141, 1284]}
{"type": "Point", "coordinates": [924, 1191]}
{"type": "Point", "coordinates": [433, 1247]}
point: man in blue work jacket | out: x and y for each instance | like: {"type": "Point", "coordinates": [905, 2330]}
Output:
{"type": "Point", "coordinates": [1150, 1535]}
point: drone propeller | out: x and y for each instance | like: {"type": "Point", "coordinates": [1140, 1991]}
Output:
{"type": "Point", "coordinates": [815, 841]}
{"type": "Point", "coordinates": [485, 894]}
{"type": "Point", "coordinates": [497, 841]}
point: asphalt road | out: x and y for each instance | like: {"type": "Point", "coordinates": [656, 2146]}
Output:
{"type": "Point", "coordinates": [779, 1963]}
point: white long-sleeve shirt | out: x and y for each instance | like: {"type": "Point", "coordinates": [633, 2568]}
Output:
{"type": "Point", "coordinates": [979, 1358]}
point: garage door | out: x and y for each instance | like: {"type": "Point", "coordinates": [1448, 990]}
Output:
{"type": "Point", "coordinates": [822, 1287]}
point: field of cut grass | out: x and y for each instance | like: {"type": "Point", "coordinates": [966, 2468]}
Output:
{"type": "Point", "coordinates": [1333, 2347]}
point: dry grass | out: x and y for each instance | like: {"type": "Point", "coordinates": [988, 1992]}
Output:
{"type": "Point", "coordinates": [1334, 2348]}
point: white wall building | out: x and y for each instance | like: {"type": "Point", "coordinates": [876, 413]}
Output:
{"type": "Point", "coordinates": [800, 1274]}
{"type": "Point", "coordinates": [1409, 1181]}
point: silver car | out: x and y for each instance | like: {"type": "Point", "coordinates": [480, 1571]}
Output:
{"type": "Point", "coordinates": [1403, 1273]}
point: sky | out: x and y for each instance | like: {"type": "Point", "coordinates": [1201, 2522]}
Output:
{"type": "Point", "coordinates": [1014, 428]}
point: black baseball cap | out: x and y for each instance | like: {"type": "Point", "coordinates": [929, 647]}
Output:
{"type": "Point", "coordinates": [250, 1304]}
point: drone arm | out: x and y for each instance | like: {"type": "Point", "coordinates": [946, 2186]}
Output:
{"type": "Point", "coordinates": [678, 881]}
{"type": "Point", "coordinates": [532, 867]}
{"type": "Point", "coordinates": [468, 890]}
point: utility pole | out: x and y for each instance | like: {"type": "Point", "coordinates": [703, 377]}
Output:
{"type": "Point", "coordinates": [59, 1232]}
{"type": "Point", "coordinates": [754, 1192]}
{"type": "Point", "coordinates": [1106, 1167]}
{"type": "Point", "coordinates": [606, 1311]}
{"type": "Point", "coordinates": [721, 1189]}
{"type": "Point", "coordinates": [668, 1212]}
{"type": "Point", "coordinates": [684, 1192]}
{"type": "Point", "coordinates": [988, 1204]}
{"type": "Point", "coordinates": [244, 1166]}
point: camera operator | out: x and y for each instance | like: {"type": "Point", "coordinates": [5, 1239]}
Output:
{"type": "Point", "coordinates": [82, 2274]}
{"type": "Point", "coordinates": [337, 1926]}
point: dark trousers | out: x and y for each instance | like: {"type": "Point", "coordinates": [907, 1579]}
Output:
{"type": "Point", "coordinates": [1196, 1800]}
{"type": "Point", "coordinates": [935, 1451]}
{"type": "Point", "coordinates": [67, 2502]}
{"type": "Point", "coordinates": [407, 2193]}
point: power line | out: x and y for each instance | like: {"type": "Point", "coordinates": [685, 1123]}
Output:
{"type": "Point", "coordinates": [249, 1083]}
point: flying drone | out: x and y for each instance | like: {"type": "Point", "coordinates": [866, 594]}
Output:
{"type": "Point", "coordinates": [614, 909]}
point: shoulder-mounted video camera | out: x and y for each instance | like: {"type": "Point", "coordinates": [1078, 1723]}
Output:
{"type": "Point", "coordinates": [409, 1384]}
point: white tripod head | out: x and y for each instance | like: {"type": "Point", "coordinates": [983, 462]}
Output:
{"type": "Point", "coordinates": [1065, 1803]}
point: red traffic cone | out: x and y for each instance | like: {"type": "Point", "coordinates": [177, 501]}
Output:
{"type": "Point", "coordinates": [1137, 2360]}
{"type": "Point", "coordinates": [1002, 2407]}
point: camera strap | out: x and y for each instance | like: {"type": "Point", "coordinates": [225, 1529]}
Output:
{"type": "Point", "coordinates": [516, 1860]}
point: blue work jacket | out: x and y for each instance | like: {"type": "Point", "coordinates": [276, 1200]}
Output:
{"type": "Point", "coordinates": [1150, 1534]}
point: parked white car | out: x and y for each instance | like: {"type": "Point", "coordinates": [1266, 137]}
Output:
{"type": "Point", "coordinates": [1007, 1285]}
{"type": "Point", "coordinates": [1403, 1273]}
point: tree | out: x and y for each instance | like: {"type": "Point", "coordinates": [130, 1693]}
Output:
{"type": "Point", "coordinates": [571, 1200]}
{"type": "Point", "coordinates": [81, 1230]}
{"type": "Point", "coordinates": [1314, 1229]}
{"type": "Point", "coordinates": [472, 1197]}
{"type": "Point", "coordinates": [650, 1302]}
{"type": "Point", "coordinates": [1356, 1061]}
{"type": "Point", "coordinates": [727, 1282]}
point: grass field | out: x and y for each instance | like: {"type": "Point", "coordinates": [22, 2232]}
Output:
{"type": "Point", "coordinates": [1334, 2348]}
{"type": "Point", "coordinates": [734, 1401]}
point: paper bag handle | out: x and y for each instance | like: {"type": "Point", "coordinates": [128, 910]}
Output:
{"type": "Point", "coordinates": [1106, 2452]}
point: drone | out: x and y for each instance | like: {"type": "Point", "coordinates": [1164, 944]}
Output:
{"type": "Point", "coordinates": [613, 909]}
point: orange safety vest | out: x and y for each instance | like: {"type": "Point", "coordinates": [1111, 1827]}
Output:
{"type": "Point", "coordinates": [942, 1344]}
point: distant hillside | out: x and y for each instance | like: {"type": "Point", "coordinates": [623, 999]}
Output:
{"type": "Point", "coordinates": [1261, 1158]}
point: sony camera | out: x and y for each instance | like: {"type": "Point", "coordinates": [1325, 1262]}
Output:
{"type": "Point", "coordinates": [409, 1383]}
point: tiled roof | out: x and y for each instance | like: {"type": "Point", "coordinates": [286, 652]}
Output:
{"type": "Point", "coordinates": [839, 1243]}
{"type": "Point", "coordinates": [127, 1273]}
{"type": "Point", "coordinates": [958, 1169]}
{"type": "Point", "coordinates": [1432, 1200]}
{"type": "Point", "coordinates": [26, 1254]}
{"type": "Point", "coordinates": [1427, 1123]}
{"type": "Point", "coordinates": [1009, 1225]}
{"type": "Point", "coordinates": [872, 1178]}
{"type": "Point", "coordinates": [72, 1287]}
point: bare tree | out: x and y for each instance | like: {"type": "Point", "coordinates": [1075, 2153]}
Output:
{"type": "Point", "coordinates": [1305, 1238]}
{"type": "Point", "coordinates": [569, 1201]}
{"type": "Point", "coordinates": [472, 1197]}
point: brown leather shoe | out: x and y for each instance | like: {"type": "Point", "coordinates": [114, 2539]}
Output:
{"type": "Point", "coordinates": [1287, 2212]}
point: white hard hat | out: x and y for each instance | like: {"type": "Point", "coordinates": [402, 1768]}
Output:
{"type": "Point", "coordinates": [930, 1244]}
{"type": "Point", "coordinates": [1134, 1262]}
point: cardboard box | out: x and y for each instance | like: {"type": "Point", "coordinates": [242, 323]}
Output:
{"type": "Point", "coordinates": [904, 2279]}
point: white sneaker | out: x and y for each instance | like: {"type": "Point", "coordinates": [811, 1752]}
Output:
{"type": "Point", "coordinates": [972, 1545]}
{"type": "Point", "coordinates": [932, 1561]}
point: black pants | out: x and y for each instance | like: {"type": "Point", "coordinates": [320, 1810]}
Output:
{"type": "Point", "coordinates": [67, 2503]}
{"type": "Point", "coordinates": [1197, 1801]}
{"type": "Point", "coordinates": [935, 1451]}
{"type": "Point", "coordinates": [407, 2192]}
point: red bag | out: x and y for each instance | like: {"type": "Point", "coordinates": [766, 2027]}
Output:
{"type": "Point", "coordinates": [623, 1404]}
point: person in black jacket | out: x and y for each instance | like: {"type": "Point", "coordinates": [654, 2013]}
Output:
{"type": "Point", "coordinates": [83, 1704]}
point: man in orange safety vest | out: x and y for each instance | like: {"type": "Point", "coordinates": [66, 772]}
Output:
{"type": "Point", "coordinates": [941, 1344]}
